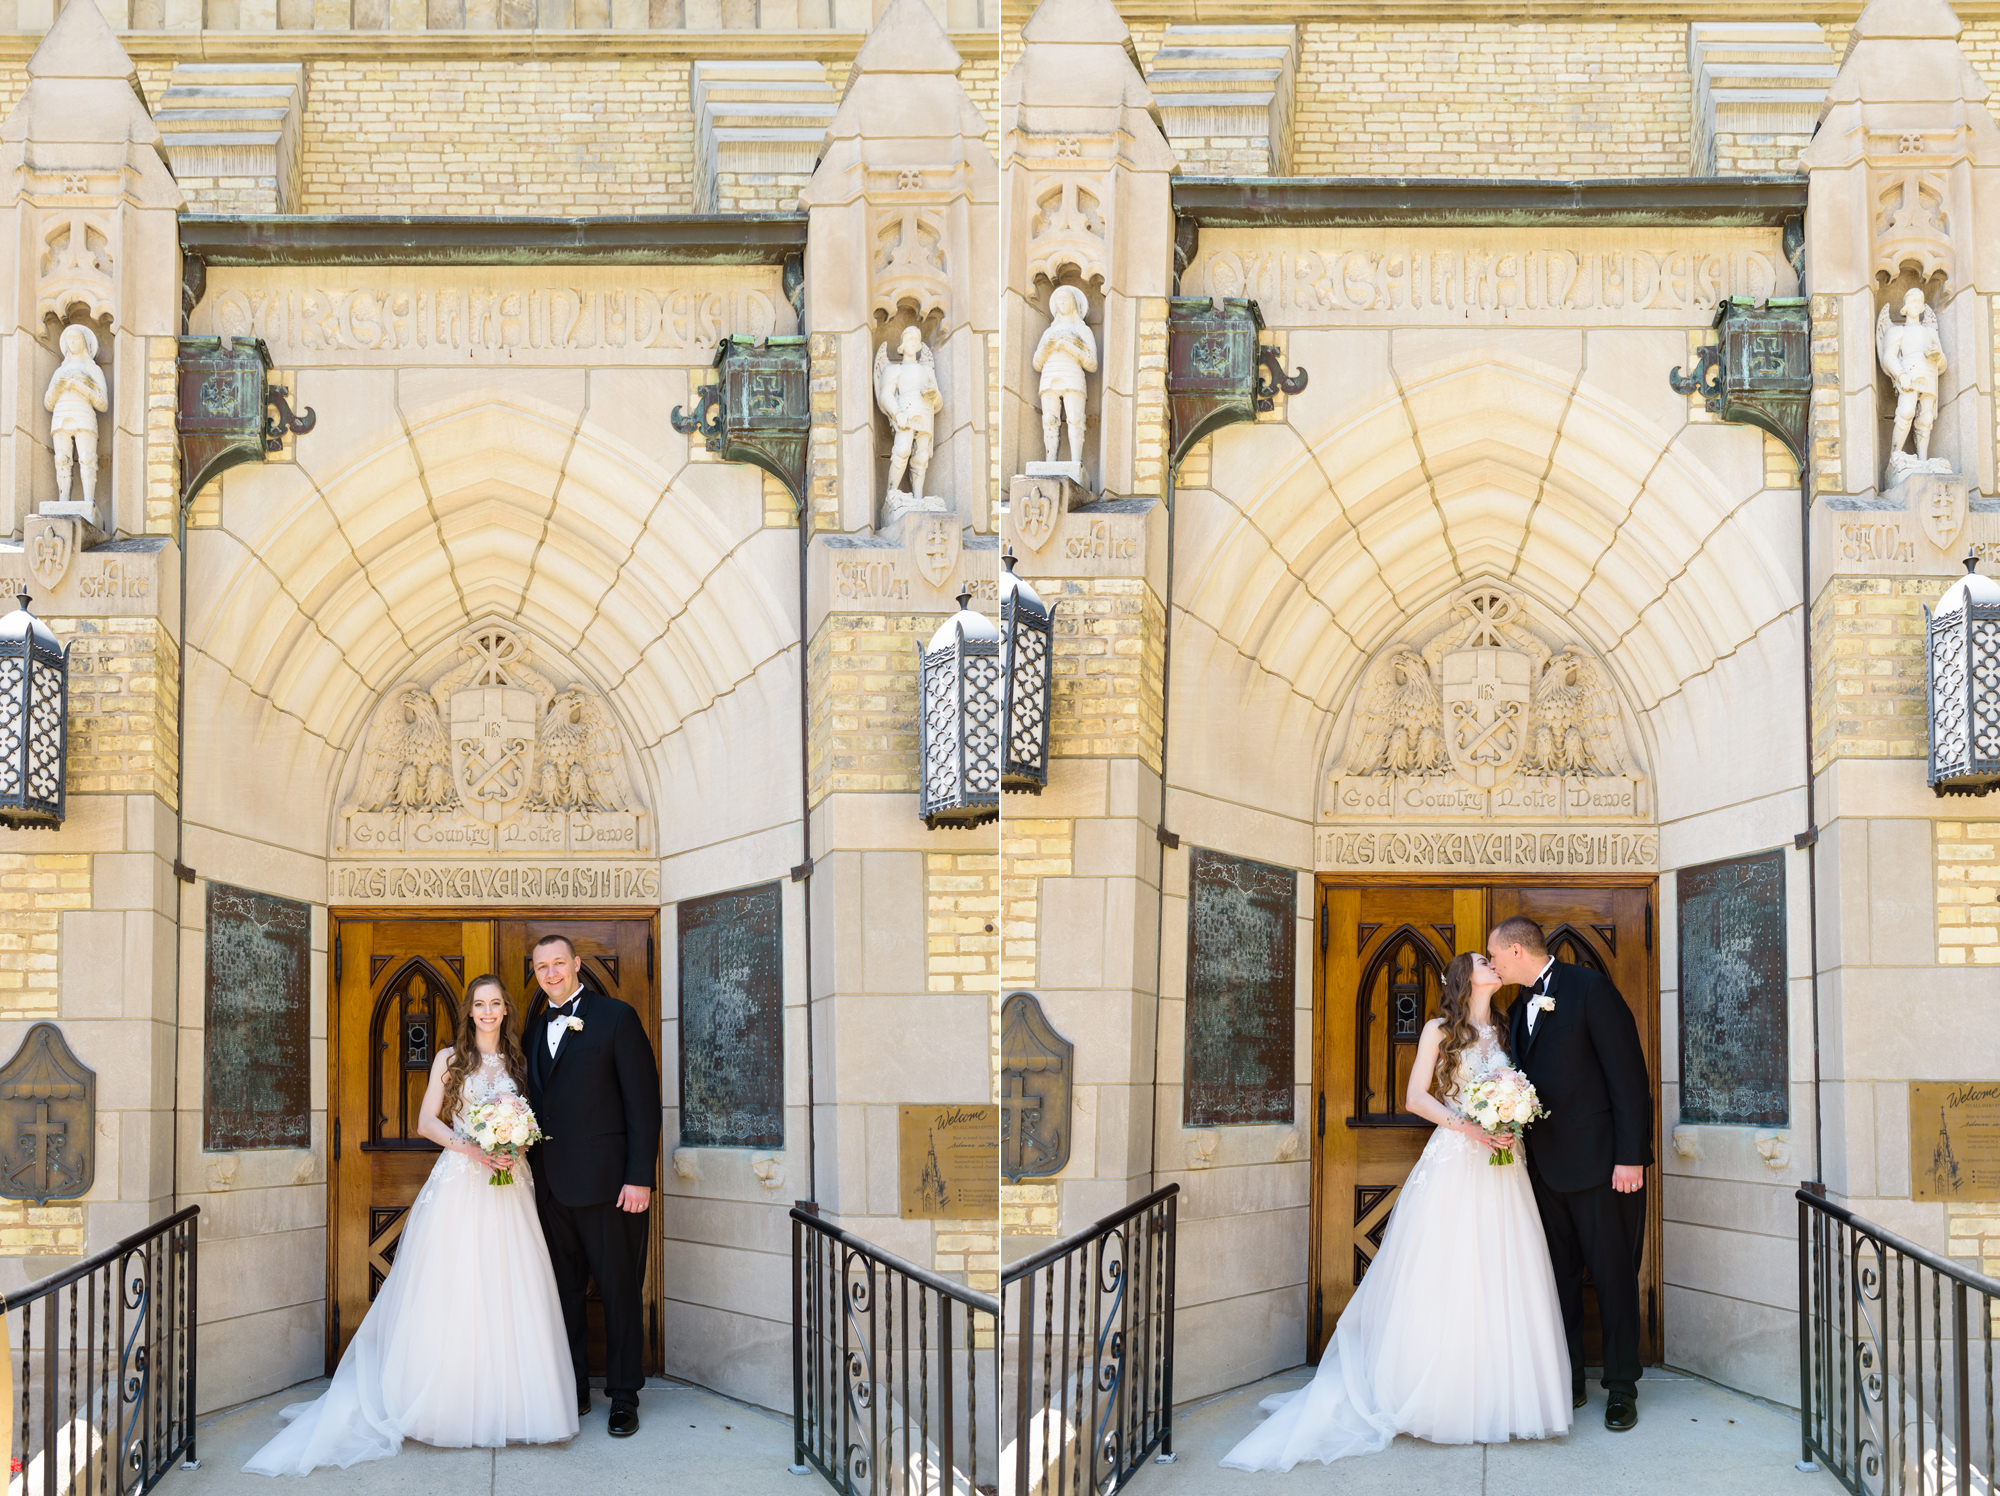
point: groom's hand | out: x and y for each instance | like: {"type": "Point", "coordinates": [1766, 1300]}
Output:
{"type": "Point", "coordinates": [636, 1197]}
{"type": "Point", "coordinates": [1626, 1178]}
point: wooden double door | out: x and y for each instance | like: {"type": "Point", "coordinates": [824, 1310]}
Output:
{"type": "Point", "coordinates": [1383, 949]}
{"type": "Point", "coordinates": [397, 984]}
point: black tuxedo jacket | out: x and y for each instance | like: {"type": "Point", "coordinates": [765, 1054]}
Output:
{"type": "Point", "coordinates": [1587, 1066]}
{"type": "Point", "coordinates": [598, 1101]}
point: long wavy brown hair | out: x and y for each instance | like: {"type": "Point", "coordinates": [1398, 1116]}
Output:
{"type": "Point", "coordinates": [1455, 1020]}
{"type": "Point", "coordinates": [465, 1047]}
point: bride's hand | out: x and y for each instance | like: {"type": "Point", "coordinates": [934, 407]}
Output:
{"type": "Point", "coordinates": [494, 1162]}
{"type": "Point", "coordinates": [1492, 1141]}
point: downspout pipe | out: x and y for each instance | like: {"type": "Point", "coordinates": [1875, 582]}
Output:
{"type": "Point", "coordinates": [802, 874]}
{"type": "Point", "coordinates": [1167, 840]}
{"type": "Point", "coordinates": [1808, 839]}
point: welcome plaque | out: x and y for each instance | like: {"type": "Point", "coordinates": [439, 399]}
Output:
{"type": "Point", "coordinates": [950, 1162]}
{"type": "Point", "coordinates": [1955, 1140]}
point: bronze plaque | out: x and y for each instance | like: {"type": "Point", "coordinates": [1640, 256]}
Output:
{"type": "Point", "coordinates": [1241, 998]}
{"type": "Point", "coordinates": [1955, 1140]}
{"type": "Point", "coordinates": [949, 1158]}
{"type": "Point", "coordinates": [1036, 1076]}
{"type": "Point", "coordinates": [732, 1019]}
{"type": "Point", "coordinates": [1734, 1055]}
{"type": "Point", "coordinates": [48, 1120]}
{"type": "Point", "coordinates": [256, 1076]}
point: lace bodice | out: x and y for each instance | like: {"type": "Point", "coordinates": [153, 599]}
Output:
{"type": "Point", "coordinates": [487, 1079]}
{"type": "Point", "coordinates": [1477, 1061]}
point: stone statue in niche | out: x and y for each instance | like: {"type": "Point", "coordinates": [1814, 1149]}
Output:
{"type": "Point", "coordinates": [1065, 357]}
{"type": "Point", "coordinates": [1913, 358]}
{"type": "Point", "coordinates": [907, 390]}
{"type": "Point", "coordinates": [76, 396]}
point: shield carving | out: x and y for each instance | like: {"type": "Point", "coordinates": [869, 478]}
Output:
{"type": "Point", "coordinates": [1035, 506]}
{"type": "Point", "coordinates": [51, 543]}
{"type": "Point", "coordinates": [493, 748]}
{"type": "Point", "coordinates": [1941, 510]}
{"type": "Point", "coordinates": [937, 541]}
{"type": "Point", "coordinates": [1486, 698]}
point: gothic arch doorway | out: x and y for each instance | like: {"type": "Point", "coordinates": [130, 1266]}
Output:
{"type": "Point", "coordinates": [1383, 942]}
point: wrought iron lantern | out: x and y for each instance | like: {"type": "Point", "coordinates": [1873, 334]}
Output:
{"type": "Point", "coordinates": [1758, 372]}
{"type": "Point", "coordinates": [229, 412]}
{"type": "Point", "coordinates": [759, 410]}
{"type": "Point", "coordinates": [1215, 368]}
{"type": "Point", "coordinates": [34, 721]}
{"type": "Point", "coordinates": [1962, 649]}
{"type": "Point", "coordinates": [958, 721]}
{"type": "Point", "coordinates": [1027, 628]}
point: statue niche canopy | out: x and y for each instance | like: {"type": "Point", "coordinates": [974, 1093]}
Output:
{"type": "Point", "coordinates": [497, 751]}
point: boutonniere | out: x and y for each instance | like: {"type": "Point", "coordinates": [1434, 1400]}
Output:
{"type": "Point", "coordinates": [573, 1023]}
{"type": "Point", "coordinates": [1545, 1003]}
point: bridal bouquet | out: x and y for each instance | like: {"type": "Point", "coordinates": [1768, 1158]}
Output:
{"type": "Point", "coordinates": [1503, 1102]}
{"type": "Point", "coordinates": [504, 1125]}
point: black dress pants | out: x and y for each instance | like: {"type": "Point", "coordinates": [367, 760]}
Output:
{"type": "Point", "coordinates": [608, 1244]}
{"type": "Point", "coordinates": [1603, 1231]}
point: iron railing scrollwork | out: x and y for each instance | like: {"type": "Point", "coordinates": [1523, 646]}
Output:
{"type": "Point", "coordinates": [893, 1369]}
{"type": "Point", "coordinates": [1089, 1322]}
{"type": "Point", "coordinates": [103, 1367]}
{"type": "Point", "coordinates": [1895, 1359]}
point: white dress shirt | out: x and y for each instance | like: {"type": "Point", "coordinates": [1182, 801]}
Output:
{"type": "Point", "coordinates": [556, 1029]}
{"type": "Point", "coordinates": [1533, 1010]}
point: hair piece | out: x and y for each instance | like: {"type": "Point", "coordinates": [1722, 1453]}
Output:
{"type": "Point", "coordinates": [465, 1048]}
{"type": "Point", "coordinates": [1518, 929]}
{"type": "Point", "coordinates": [1455, 1030]}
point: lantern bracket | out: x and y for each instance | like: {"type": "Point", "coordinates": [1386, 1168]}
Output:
{"type": "Point", "coordinates": [1759, 370]}
{"type": "Point", "coordinates": [281, 421]}
{"type": "Point", "coordinates": [760, 410]}
{"type": "Point", "coordinates": [1705, 381]}
{"type": "Point", "coordinates": [706, 422]}
{"type": "Point", "coordinates": [1270, 362]}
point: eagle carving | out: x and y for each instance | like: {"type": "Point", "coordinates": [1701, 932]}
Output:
{"type": "Point", "coordinates": [408, 762]}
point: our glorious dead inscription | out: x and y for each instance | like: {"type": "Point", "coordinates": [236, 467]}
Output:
{"type": "Point", "coordinates": [732, 1053]}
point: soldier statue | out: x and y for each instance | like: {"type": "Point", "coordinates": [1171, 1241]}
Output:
{"type": "Point", "coordinates": [908, 393]}
{"type": "Point", "coordinates": [1913, 358]}
{"type": "Point", "coordinates": [75, 396]}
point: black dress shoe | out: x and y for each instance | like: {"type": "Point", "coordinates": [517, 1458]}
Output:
{"type": "Point", "coordinates": [624, 1422]}
{"type": "Point", "coordinates": [1578, 1396]}
{"type": "Point", "coordinates": [1621, 1411]}
{"type": "Point", "coordinates": [582, 1402]}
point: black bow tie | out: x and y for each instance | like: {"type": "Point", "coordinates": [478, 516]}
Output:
{"type": "Point", "coordinates": [1540, 985]}
{"type": "Point", "coordinates": [557, 1014]}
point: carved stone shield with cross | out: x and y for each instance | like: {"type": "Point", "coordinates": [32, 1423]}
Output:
{"type": "Point", "coordinates": [1486, 700]}
{"type": "Point", "coordinates": [493, 748]}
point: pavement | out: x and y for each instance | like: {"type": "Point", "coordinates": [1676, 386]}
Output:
{"type": "Point", "coordinates": [1693, 1437]}
{"type": "Point", "coordinates": [689, 1440]}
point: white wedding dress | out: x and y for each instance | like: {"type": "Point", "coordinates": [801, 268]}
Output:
{"type": "Point", "coordinates": [464, 1344]}
{"type": "Point", "coordinates": [1454, 1335]}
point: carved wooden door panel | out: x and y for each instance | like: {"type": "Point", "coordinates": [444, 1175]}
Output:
{"type": "Point", "coordinates": [397, 985]}
{"type": "Point", "coordinates": [618, 959]}
{"type": "Point", "coordinates": [1383, 950]}
{"type": "Point", "coordinates": [1610, 929]}
{"type": "Point", "coordinates": [396, 990]}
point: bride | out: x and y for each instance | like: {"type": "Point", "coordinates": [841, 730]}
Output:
{"type": "Point", "coordinates": [464, 1345]}
{"type": "Point", "coordinates": [1455, 1334]}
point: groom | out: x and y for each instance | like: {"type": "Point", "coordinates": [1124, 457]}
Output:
{"type": "Point", "coordinates": [1573, 1037]}
{"type": "Point", "coordinates": [596, 1092]}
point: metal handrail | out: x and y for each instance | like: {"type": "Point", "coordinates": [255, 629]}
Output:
{"type": "Point", "coordinates": [1103, 1345]}
{"type": "Point", "coordinates": [114, 1403]}
{"type": "Point", "coordinates": [1876, 1371]}
{"type": "Point", "coordinates": [881, 1402]}
{"type": "Point", "coordinates": [1089, 1233]}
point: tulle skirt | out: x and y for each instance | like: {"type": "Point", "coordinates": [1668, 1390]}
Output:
{"type": "Point", "coordinates": [464, 1345]}
{"type": "Point", "coordinates": [1455, 1334]}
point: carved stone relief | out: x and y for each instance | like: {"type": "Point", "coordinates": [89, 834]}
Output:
{"type": "Point", "coordinates": [1912, 225]}
{"type": "Point", "coordinates": [910, 260]}
{"type": "Point", "coordinates": [75, 265]}
{"type": "Point", "coordinates": [494, 754]}
{"type": "Point", "coordinates": [1489, 714]}
{"type": "Point", "coordinates": [1068, 222]}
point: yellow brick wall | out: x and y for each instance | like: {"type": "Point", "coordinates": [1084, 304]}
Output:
{"type": "Point", "coordinates": [962, 921]}
{"type": "Point", "coordinates": [1031, 1209]}
{"type": "Point", "coordinates": [1868, 668]}
{"type": "Point", "coordinates": [1825, 412]}
{"type": "Point", "coordinates": [1975, 1241]}
{"type": "Point", "coordinates": [1031, 849]}
{"type": "Point", "coordinates": [122, 692]}
{"type": "Point", "coordinates": [823, 445]}
{"type": "Point", "coordinates": [29, 1230]}
{"type": "Point", "coordinates": [1108, 656]}
{"type": "Point", "coordinates": [863, 731]}
{"type": "Point", "coordinates": [35, 889]}
{"type": "Point", "coordinates": [1149, 413]}
{"type": "Point", "coordinates": [972, 1248]}
{"type": "Point", "coordinates": [1968, 893]}
{"type": "Point", "coordinates": [163, 470]}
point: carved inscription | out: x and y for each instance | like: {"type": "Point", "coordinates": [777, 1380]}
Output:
{"type": "Point", "coordinates": [732, 1053]}
{"type": "Point", "coordinates": [256, 1055]}
{"type": "Point", "coordinates": [494, 316]}
{"type": "Point", "coordinates": [1453, 847]}
{"type": "Point", "coordinates": [1733, 1009]}
{"type": "Point", "coordinates": [114, 581]}
{"type": "Point", "coordinates": [496, 882]}
{"type": "Point", "coordinates": [1098, 543]}
{"type": "Point", "coordinates": [1242, 956]}
{"type": "Point", "coordinates": [869, 581]}
{"type": "Point", "coordinates": [1875, 542]}
{"type": "Point", "coordinates": [1484, 276]}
